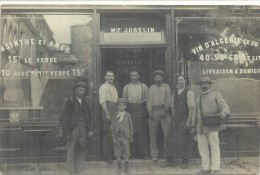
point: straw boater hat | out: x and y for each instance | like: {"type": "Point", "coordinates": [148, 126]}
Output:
{"type": "Point", "coordinates": [121, 100]}
{"type": "Point", "coordinates": [80, 84]}
{"type": "Point", "coordinates": [204, 80]}
{"type": "Point", "coordinates": [158, 72]}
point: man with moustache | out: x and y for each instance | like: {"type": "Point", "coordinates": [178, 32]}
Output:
{"type": "Point", "coordinates": [158, 107]}
{"type": "Point", "coordinates": [208, 103]}
{"type": "Point", "coordinates": [179, 139]}
{"type": "Point", "coordinates": [76, 121]}
{"type": "Point", "coordinates": [107, 98]}
{"type": "Point", "coordinates": [137, 96]}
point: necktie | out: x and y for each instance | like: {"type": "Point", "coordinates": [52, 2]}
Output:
{"type": "Point", "coordinates": [120, 116]}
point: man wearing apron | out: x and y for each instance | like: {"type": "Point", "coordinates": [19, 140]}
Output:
{"type": "Point", "coordinates": [137, 96]}
{"type": "Point", "coordinates": [107, 98]}
{"type": "Point", "coordinates": [178, 142]}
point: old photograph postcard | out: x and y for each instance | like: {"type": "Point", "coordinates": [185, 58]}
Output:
{"type": "Point", "coordinates": [129, 89]}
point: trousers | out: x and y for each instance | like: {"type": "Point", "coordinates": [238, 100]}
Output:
{"type": "Point", "coordinates": [122, 147]}
{"type": "Point", "coordinates": [107, 138]}
{"type": "Point", "coordinates": [159, 117]}
{"type": "Point", "coordinates": [204, 141]}
{"type": "Point", "coordinates": [76, 150]}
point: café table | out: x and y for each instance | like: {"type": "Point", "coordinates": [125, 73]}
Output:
{"type": "Point", "coordinates": [237, 129]}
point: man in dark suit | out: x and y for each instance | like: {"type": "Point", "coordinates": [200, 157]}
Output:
{"type": "Point", "coordinates": [76, 121]}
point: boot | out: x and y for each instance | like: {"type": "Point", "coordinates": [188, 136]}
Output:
{"type": "Point", "coordinates": [127, 171]}
{"type": "Point", "coordinates": [119, 167]}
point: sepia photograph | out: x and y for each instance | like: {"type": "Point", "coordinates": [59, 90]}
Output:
{"type": "Point", "coordinates": [142, 89]}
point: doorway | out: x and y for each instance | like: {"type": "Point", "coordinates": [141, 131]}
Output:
{"type": "Point", "coordinates": [120, 60]}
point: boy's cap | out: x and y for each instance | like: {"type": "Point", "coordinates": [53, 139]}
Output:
{"type": "Point", "coordinates": [121, 100]}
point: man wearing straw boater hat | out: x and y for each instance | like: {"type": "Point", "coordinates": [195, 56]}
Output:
{"type": "Point", "coordinates": [137, 95]}
{"type": "Point", "coordinates": [107, 98]}
{"type": "Point", "coordinates": [76, 121]}
{"type": "Point", "coordinates": [210, 108]}
{"type": "Point", "coordinates": [158, 107]}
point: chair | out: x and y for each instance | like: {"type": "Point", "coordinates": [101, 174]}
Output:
{"type": "Point", "coordinates": [11, 151]}
{"type": "Point", "coordinates": [222, 143]}
{"type": "Point", "coordinates": [61, 148]}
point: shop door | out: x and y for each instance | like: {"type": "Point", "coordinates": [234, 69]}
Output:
{"type": "Point", "coordinates": [120, 60]}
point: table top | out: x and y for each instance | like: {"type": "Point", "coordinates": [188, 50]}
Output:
{"type": "Point", "coordinates": [38, 130]}
{"type": "Point", "coordinates": [21, 107]}
{"type": "Point", "coordinates": [239, 125]}
{"type": "Point", "coordinates": [10, 128]}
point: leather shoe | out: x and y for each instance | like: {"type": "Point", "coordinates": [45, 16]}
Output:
{"type": "Point", "coordinates": [167, 164]}
{"type": "Point", "coordinates": [214, 172]}
{"type": "Point", "coordinates": [204, 172]}
{"type": "Point", "coordinates": [155, 159]}
{"type": "Point", "coordinates": [184, 166]}
{"type": "Point", "coordinates": [109, 160]}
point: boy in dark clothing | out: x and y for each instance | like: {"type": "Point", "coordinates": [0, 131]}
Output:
{"type": "Point", "coordinates": [122, 133]}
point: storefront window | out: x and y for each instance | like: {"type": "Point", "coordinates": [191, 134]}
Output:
{"type": "Point", "coordinates": [226, 50]}
{"type": "Point", "coordinates": [55, 52]}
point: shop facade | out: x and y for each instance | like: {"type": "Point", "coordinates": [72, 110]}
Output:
{"type": "Point", "coordinates": [87, 41]}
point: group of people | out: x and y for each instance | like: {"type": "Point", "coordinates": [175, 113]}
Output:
{"type": "Point", "coordinates": [129, 121]}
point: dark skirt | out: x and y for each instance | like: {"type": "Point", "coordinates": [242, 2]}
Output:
{"type": "Point", "coordinates": [178, 143]}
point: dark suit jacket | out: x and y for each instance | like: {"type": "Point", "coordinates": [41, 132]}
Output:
{"type": "Point", "coordinates": [70, 115]}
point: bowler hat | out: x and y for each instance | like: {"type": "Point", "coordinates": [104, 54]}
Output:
{"type": "Point", "coordinates": [121, 100]}
{"type": "Point", "coordinates": [158, 72]}
{"type": "Point", "coordinates": [80, 84]}
{"type": "Point", "coordinates": [204, 80]}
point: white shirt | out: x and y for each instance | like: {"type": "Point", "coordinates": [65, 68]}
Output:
{"type": "Point", "coordinates": [133, 92]}
{"type": "Point", "coordinates": [107, 92]}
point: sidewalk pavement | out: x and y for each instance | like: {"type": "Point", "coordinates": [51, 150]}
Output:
{"type": "Point", "coordinates": [249, 166]}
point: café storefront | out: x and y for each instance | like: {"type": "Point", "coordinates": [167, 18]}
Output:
{"type": "Point", "coordinates": [87, 41]}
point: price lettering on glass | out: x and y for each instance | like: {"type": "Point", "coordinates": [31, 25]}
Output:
{"type": "Point", "coordinates": [5, 72]}
{"type": "Point", "coordinates": [77, 72]}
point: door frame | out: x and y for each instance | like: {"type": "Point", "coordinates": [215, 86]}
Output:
{"type": "Point", "coordinates": [97, 78]}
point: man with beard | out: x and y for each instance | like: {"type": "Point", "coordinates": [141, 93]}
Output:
{"type": "Point", "coordinates": [76, 120]}
{"type": "Point", "coordinates": [107, 98]}
{"type": "Point", "coordinates": [137, 96]}
{"type": "Point", "coordinates": [159, 105]}
{"type": "Point", "coordinates": [208, 103]}
{"type": "Point", "coordinates": [179, 140]}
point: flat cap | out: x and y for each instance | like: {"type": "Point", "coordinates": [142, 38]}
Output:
{"type": "Point", "coordinates": [205, 80]}
{"type": "Point", "coordinates": [80, 84]}
{"type": "Point", "coordinates": [158, 72]}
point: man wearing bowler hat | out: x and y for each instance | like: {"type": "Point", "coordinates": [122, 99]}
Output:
{"type": "Point", "coordinates": [158, 107]}
{"type": "Point", "coordinates": [208, 103]}
{"type": "Point", "coordinates": [76, 122]}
